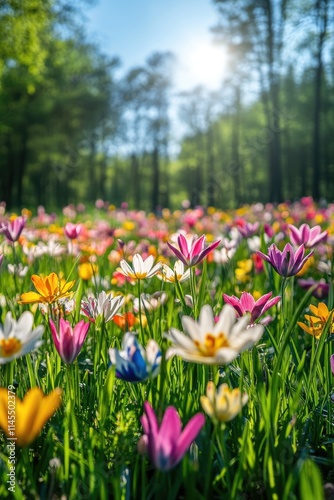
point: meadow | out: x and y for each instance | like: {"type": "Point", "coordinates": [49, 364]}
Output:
{"type": "Point", "coordinates": [185, 355]}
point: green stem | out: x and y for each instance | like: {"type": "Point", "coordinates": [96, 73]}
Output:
{"type": "Point", "coordinates": [140, 312]}
{"type": "Point", "coordinates": [193, 290]}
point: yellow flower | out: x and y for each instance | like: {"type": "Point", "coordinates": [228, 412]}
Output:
{"type": "Point", "coordinates": [244, 268]}
{"type": "Point", "coordinates": [50, 289]}
{"type": "Point", "coordinates": [87, 270]}
{"type": "Point", "coordinates": [318, 322]}
{"type": "Point", "coordinates": [24, 419]}
{"type": "Point", "coordinates": [128, 225]}
{"type": "Point", "coordinates": [223, 404]}
{"type": "Point", "coordinates": [309, 263]}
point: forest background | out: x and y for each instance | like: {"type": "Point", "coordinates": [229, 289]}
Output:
{"type": "Point", "coordinates": [73, 129]}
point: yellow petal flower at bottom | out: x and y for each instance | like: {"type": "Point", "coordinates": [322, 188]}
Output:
{"type": "Point", "coordinates": [223, 404]}
{"type": "Point", "coordinates": [31, 413]}
{"type": "Point", "coordinates": [317, 323]}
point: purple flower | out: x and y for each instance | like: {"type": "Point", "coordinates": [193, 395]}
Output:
{"type": "Point", "coordinates": [246, 304]}
{"type": "Point", "coordinates": [167, 444]}
{"type": "Point", "coordinates": [307, 236]}
{"type": "Point", "coordinates": [247, 230]}
{"type": "Point", "coordinates": [192, 250]}
{"type": "Point", "coordinates": [68, 340]}
{"type": "Point", "coordinates": [13, 229]}
{"type": "Point", "coordinates": [321, 290]}
{"type": "Point", "coordinates": [332, 363]}
{"type": "Point", "coordinates": [288, 262]}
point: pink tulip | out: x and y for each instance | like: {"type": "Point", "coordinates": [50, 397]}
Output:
{"type": "Point", "coordinates": [72, 231]}
{"type": "Point", "coordinates": [192, 250]}
{"type": "Point", "coordinates": [13, 229]}
{"type": "Point", "coordinates": [247, 304]}
{"type": "Point", "coordinates": [167, 444]}
{"type": "Point", "coordinates": [68, 340]}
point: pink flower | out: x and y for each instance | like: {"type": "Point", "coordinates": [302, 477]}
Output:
{"type": "Point", "coordinates": [69, 341]}
{"type": "Point", "coordinates": [246, 304]}
{"type": "Point", "coordinates": [72, 231]}
{"type": "Point", "coordinates": [167, 444]}
{"type": "Point", "coordinates": [307, 236]}
{"type": "Point", "coordinates": [192, 250]}
{"type": "Point", "coordinates": [288, 262]}
{"type": "Point", "coordinates": [332, 363]}
{"type": "Point", "coordinates": [13, 229]}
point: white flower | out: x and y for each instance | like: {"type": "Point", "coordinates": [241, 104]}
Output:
{"type": "Point", "coordinates": [150, 302]}
{"type": "Point", "coordinates": [224, 255]}
{"type": "Point", "coordinates": [17, 337]}
{"type": "Point", "coordinates": [171, 275]}
{"type": "Point", "coordinates": [213, 343]}
{"type": "Point", "coordinates": [105, 306]}
{"type": "Point", "coordinates": [141, 269]}
{"type": "Point", "coordinates": [254, 243]}
{"type": "Point", "coordinates": [18, 270]}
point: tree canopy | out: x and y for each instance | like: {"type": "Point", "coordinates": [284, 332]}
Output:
{"type": "Point", "coordinates": [75, 128]}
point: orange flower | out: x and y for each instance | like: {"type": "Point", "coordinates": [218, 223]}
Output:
{"type": "Point", "coordinates": [127, 320]}
{"type": "Point", "coordinates": [23, 419]}
{"type": "Point", "coordinates": [318, 322]}
{"type": "Point", "coordinates": [50, 289]}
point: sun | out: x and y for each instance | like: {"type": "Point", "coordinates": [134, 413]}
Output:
{"type": "Point", "coordinates": [202, 63]}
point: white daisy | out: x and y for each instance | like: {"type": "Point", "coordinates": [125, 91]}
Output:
{"type": "Point", "coordinates": [213, 343]}
{"type": "Point", "coordinates": [17, 337]}
{"type": "Point", "coordinates": [171, 275]}
{"type": "Point", "coordinates": [141, 269]}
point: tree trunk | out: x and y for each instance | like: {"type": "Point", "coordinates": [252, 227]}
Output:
{"type": "Point", "coordinates": [316, 153]}
{"type": "Point", "coordinates": [155, 198]}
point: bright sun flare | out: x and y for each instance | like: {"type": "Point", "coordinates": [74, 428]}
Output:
{"type": "Point", "coordinates": [202, 64]}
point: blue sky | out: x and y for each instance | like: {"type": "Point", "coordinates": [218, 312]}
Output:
{"type": "Point", "coordinates": [133, 29]}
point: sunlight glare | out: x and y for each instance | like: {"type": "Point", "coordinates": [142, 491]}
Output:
{"type": "Point", "coordinates": [202, 63]}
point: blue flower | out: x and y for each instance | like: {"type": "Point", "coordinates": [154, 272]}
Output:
{"type": "Point", "coordinates": [134, 363]}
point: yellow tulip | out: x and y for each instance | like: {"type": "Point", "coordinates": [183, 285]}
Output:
{"type": "Point", "coordinates": [22, 420]}
{"type": "Point", "coordinates": [87, 270]}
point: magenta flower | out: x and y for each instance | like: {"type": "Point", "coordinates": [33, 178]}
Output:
{"type": "Point", "coordinates": [246, 304]}
{"type": "Point", "coordinates": [307, 236]}
{"type": "Point", "coordinates": [13, 229]}
{"type": "Point", "coordinates": [72, 231]}
{"type": "Point", "coordinates": [332, 363]}
{"type": "Point", "coordinates": [167, 444]}
{"type": "Point", "coordinates": [192, 250]}
{"type": "Point", "coordinates": [68, 340]}
{"type": "Point", "coordinates": [288, 262]}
